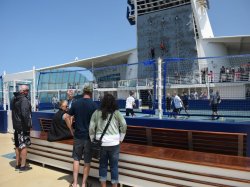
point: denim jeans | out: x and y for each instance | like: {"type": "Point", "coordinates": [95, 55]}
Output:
{"type": "Point", "coordinates": [109, 154]}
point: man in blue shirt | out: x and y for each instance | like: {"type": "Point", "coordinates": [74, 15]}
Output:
{"type": "Point", "coordinates": [82, 111]}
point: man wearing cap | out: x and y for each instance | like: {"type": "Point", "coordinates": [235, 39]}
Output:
{"type": "Point", "coordinates": [21, 118]}
{"type": "Point", "coordinates": [82, 110]}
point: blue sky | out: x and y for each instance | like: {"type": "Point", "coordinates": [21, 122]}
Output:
{"type": "Point", "coordinates": [42, 33]}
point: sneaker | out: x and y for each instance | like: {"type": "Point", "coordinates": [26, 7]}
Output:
{"type": "Point", "coordinates": [17, 167]}
{"type": "Point", "coordinates": [24, 168]}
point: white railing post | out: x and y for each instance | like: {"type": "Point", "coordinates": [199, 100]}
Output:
{"type": "Point", "coordinates": [4, 91]}
{"type": "Point", "coordinates": [34, 89]}
{"type": "Point", "coordinates": [14, 86]}
{"type": "Point", "coordinates": [208, 90]}
{"type": "Point", "coordinates": [159, 88]}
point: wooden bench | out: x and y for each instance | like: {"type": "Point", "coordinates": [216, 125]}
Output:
{"type": "Point", "coordinates": [148, 166]}
{"type": "Point", "coordinates": [45, 124]}
{"type": "Point", "coordinates": [204, 141]}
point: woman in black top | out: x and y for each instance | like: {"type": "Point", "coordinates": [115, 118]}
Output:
{"type": "Point", "coordinates": [59, 129]}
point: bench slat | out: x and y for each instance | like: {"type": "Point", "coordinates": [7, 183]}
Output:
{"type": "Point", "coordinates": [45, 124]}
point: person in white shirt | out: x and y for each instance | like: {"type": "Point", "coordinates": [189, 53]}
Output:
{"type": "Point", "coordinates": [130, 104]}
{"type": "Point", "coordinates": [178, 104]}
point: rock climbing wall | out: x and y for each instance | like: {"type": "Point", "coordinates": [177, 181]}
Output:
{"type": "Point", "coordinates": [166, 33]}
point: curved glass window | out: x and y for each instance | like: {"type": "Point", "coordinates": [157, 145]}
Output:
{"type": "Point", "coordinates": [56, 82]}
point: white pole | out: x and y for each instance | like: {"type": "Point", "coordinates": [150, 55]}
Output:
{"type": "Point", "coordinates": [159, 88]}
{"type": "Point", "coordinates": [6, 102]}
{"type": "Point", "coordinates": [7, 95]}
{"type": "Point", "coordinates": [92, 68]}
{"type": "Point", "coordinates": [208, 90]}
{"type": "Point", "coordinates": [58, 96]}
{"type": "Point", "coordinates": [34, 89]}
{"type": "Point", "coordinates": [4, 91]}
{"type": "Point", "coordinates": [14, 86]}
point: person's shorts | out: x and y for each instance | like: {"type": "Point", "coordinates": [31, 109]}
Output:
{"type": "Point", "coordinates": [214, 107]}
{"type": "Point", "coordinates": [82, 150]}
{"type": "Point", "coordinates": [168, 107]}
{"type": "Point", "coordinates": [177, 110]}
{"type": "Point", "coordinates": [129, 111]}
{"type": "Point", "coordinates": [22, 139]}
{"type": "Point", "coordinates": [185, 107]}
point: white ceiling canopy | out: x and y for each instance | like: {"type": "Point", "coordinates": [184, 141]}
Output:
{"type": "Point", "coordinates": [96, 62]}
